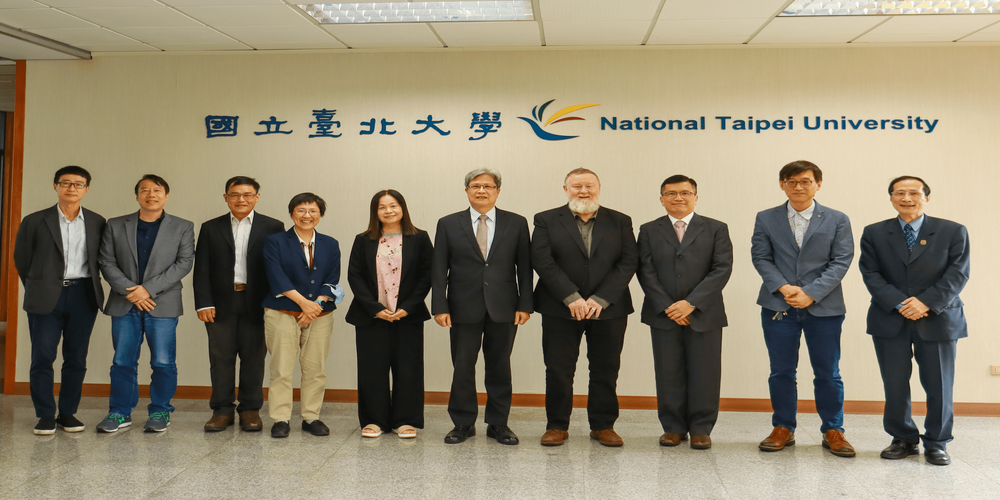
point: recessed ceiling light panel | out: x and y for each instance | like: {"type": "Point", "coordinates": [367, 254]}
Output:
{"type": "Point", "coordinates": [890, 8]}
{"type": "Point", "coordinates": [419, 12]}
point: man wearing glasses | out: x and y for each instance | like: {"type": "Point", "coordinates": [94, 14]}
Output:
{"type": "Point", "coordinates": [481, 281]}
{"type": "Point", "coordinates": [685, 261]}
{"type": "Point", "coordinates": [802, 251]}
{"type": "Point", "coordinates": [56, 257]}
{"type": "Point", "coordinates": [229, 286]}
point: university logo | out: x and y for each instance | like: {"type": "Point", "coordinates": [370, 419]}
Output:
{"type": "Point", "coordinates": [538, 114]}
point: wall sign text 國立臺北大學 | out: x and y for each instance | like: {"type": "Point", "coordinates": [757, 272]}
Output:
{"type": "Point", "coordinates": [759, 125]}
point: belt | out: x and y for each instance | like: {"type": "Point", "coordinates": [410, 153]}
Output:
{"type": "Point", "coordinates": [239, 287]}
{"type": "Point", "coordinates": [297, 313]}
{"type": "Point", "coordinates": [72, 282]}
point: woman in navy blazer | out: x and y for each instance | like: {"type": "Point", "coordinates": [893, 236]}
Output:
{"type": "Point", "coordinates": [390, 275]}
{"type": "Point", "coordinates": [303, 271]}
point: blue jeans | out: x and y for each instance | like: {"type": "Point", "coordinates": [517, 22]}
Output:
{"type": "Point", "coordinates": [823, 341]}
{"type": "Point", "coordinates": [126, 335]}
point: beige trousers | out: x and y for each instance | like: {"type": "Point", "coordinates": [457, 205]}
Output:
{"type": "Point", "coordinates": [286, 341]}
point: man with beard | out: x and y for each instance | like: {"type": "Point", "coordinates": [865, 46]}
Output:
{"type": "Point", "coordinates": [584, 260]}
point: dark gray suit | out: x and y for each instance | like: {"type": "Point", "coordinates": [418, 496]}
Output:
{"type": "Point", "coordinates": [687, 359]}
{"type": "Point", "coordinates": [935, 271]}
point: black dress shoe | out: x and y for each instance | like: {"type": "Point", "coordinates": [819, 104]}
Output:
{"type": "Point", "coordinates": [900, 449]}
{"type": "Point", "coordinates": [280, 430]}
{"type": "Point", "coordinates": [460, 433]}
{"type": "Point", "coordinates": [503, 435]}
{"type": "Point", "coordinates": [316, 428]}
{"type": "Point", "coordinates": [937, 457]}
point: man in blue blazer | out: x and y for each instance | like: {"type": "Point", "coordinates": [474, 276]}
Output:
{"type": "Point", "coordinates": [481, 280]}
{"type": "Point", "coordinates": [915, 266]}
{"type": "Point", "coordinates": [802, 251]}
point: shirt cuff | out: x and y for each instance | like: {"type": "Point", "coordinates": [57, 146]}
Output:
{"type": "Point", "coordinates": [204, 308]}
{"type": "Point", "coordinates": [604, 304]}
{"type": "Point", "coordinates": [899, 306]}
{"type": "Point", "coordinates": [572, 298]}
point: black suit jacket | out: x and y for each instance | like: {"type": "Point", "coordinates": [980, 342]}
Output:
{"type": "Point", "coordinates": [38, 257]}
{"type": "Point", "coordinates": [215, 260]}
{"type": "Point", "coordinates": [695, 270]}
{"type": "Point", "coordinates": [563, 266]}
{"type": "Point", "coordinates": [414, 282]}
{"type": "Point", "coordinates": [469, 287]}
{"type": "Point", "coordinates": [934, 272]}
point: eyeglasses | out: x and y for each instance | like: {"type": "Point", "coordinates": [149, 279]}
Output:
{"type": "Point", "coordinates": [682, 194]}
{"type": "Point", "coordinates": [806, 183]}
{"type": "Point", "coordinates": [242, 196]}
{"type": "Point", "coordinates": [305, 211]}
{"type": "Point", "coordinates": [484, 187]}
{"type": "Point", "coordinates": [904, 194]}
{"type": "Point", "coordinates": [67, 184]}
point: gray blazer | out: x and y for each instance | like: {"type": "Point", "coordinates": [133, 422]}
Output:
{"type": "Point", "coordinates": [695, 270]}
{"type": "Point", "coordinates": [170, 260]}
{"type": "Point", "coordinates": [818, 267]}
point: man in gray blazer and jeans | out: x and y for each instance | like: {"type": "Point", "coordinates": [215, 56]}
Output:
{"type": "Point", "coordinates": [802, 251]}
{"type": "Point", "coordinates": [143, 257]}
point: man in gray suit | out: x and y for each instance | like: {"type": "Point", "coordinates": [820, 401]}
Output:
{"type": "Point", "coordinates": [685, 260]}
{"type": "Point", "coordinates": [143, 257]}
{"type": "Point", "coordinates": [802, 251]}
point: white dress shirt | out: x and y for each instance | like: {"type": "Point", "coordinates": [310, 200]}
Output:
{"type": "Point", "coordinates": [74, 240]}
{"type": "Point", "coordinates": [241, 237]}
{"type": "Point", "coordinates": [491, 225]}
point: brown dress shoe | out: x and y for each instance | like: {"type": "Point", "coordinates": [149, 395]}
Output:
{"type": "Point", "coordinates": [780, 438]}
{"type": "Point", "coordinates": [701, 441]}
{"type": "Point", "coordinates": [672, 439]}
{"type": "Point", "coordinates": [219, 422]}
{"type": "Point", "coordinates": [554, 437]}
{"type": "Point", "coordinates": [835, 441]}
{"type": "Point", "coordinates": [250, 421]}
{"type": "Point", "coordinates": [607, 437]}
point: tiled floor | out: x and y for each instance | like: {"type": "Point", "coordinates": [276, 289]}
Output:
{"type": "Point", "coordinates": [186, 463]}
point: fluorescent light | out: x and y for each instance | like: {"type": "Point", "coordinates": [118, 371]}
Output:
{"type": "Point", "coordinates": [891, 8]}
{"type": "Point", "coordinates": [419, 12]}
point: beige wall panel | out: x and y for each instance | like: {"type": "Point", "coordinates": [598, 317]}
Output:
{"type": "Point", "coordinates": [124, 116]}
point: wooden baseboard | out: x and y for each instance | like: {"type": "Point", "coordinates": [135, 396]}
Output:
{"type": "Point", "coordinates": [579, 401]}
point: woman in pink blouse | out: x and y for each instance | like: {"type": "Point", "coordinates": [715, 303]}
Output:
{"type": "Point", "coordinates": [390, 275]}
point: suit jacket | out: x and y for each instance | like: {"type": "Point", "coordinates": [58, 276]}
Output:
{"type": "Point", "coordinates": [169, 261]}
{"type": "Point", "coordinates": [563, 266]}
{"type": "Point", "coordinates": [38, 258]}
{"type": "Point", "coordinates": [215, 262]}
{"type": "Point", "coordinates": [467, 286]}
{"type": "Point", "coordinates": [287, 269]}
{"type": "Point", "coordinates": [934, 272]}
{"type": "Point", "coordinates": [414, 281]}
{"type": "Point", "coordinates": [695, 270]}
{"type": "Point", "coordinates": [818, 267]}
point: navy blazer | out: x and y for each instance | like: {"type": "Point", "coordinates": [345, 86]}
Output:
{"type": "Point", "coordinates": [414, 280]}
{"type": "Point", "coordinates": [563, 266]}
{"type": "Point", "coordinates": [287, 269]}
{"type": "Point", "coordinates": [695, 270]}
{"type": "Point", "coordinates": [934, 272]}
{"type": "Point", "coordinates": [818, 267]}
{"type": "Point", "coordinates": [215, 263]}
{"type": "Point", "coordinates": [467, 286]}
{"type": "Point", "coordinates": [39, 260]}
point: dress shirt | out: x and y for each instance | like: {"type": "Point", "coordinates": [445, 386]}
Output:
{"type": "Point", "coordinates": [916, 225]}
{"type": "Point", "coordinates": [799, 221]}
{"type": "Point", "coordinates": [687, 220]}
{"type": "Point", "coordinates": [74, 240]}
{"type": "Point", "coordinates": [586, 231]}
{"type": "Point", "coordinates": [491, 225]}
{"type": "Point", "coordinates": [241, 238]}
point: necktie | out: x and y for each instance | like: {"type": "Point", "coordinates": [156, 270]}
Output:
{"type": "Point", "coordinates": [679, 227]}
{"type": "Point", "coordinates": [911, 236]}
{"type": "Point", "coordinates": [310, 254]}
{"type": "Point", "coordinates": [482, 231]}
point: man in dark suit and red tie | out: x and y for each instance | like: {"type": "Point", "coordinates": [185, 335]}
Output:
{"type": "Point", "coordinates": [56, 257]}
{"type": "Point", "coordinates": [229, 285]}
{"type": "Point", "coordinates": [481, 281]}
{"type": "Point", "coordinates": [585, 256]}
{"type": "Point", "coordinates": [685, 260]}
{"type": "Point", "coordinates": [915, 265]}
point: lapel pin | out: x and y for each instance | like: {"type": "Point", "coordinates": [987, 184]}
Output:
{"type": "Point", "coordinates": [923, 242]}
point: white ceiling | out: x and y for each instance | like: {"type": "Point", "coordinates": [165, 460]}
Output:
{"type": "Point", "coordinates": [97, 26]}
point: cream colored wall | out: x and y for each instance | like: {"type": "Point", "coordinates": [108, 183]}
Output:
{"type": "Point", "coordinates": [123, 116]}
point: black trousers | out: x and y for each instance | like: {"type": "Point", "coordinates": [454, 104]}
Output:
{"type": "Point", "coordinates": [497, 342]}
{"type": "Point", "coordinates": [229, 337]}
{"type": "Point", "coordinates": [688, 367]}
{"type": "Point", "coordinates": [72, 321]}
{"type": "Point", "coordinates": [561, 349]}
{"type": "Point", "coordinates": [395, 347]}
